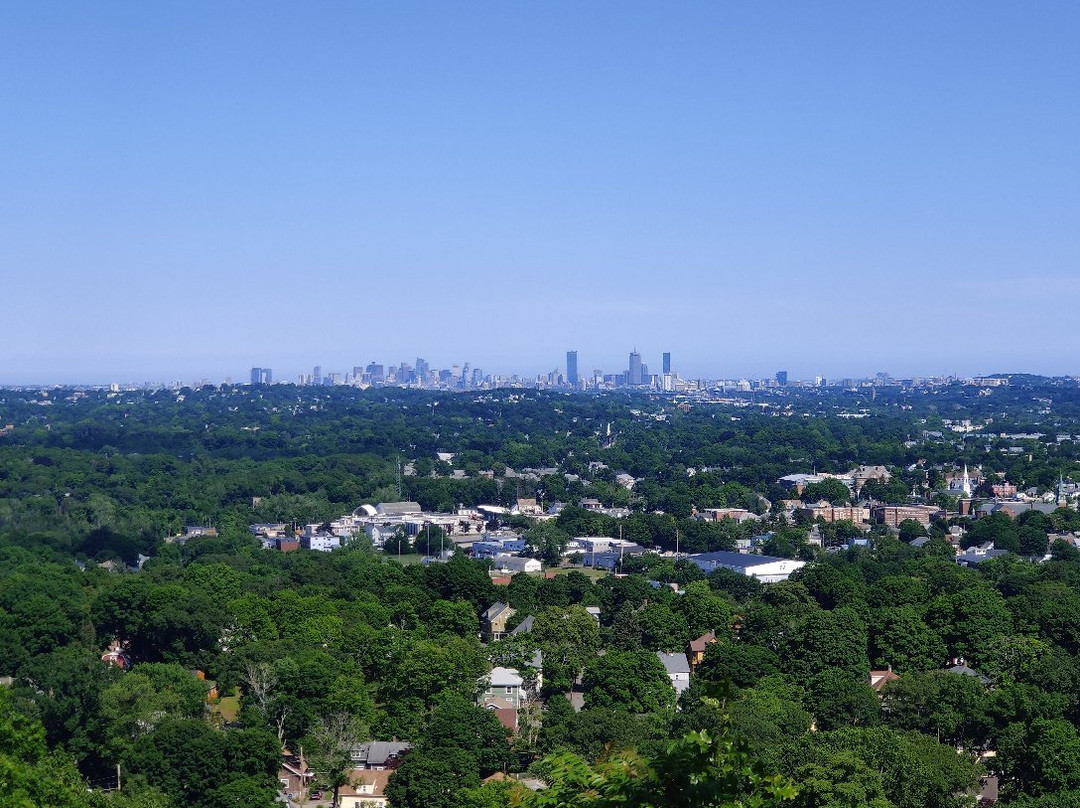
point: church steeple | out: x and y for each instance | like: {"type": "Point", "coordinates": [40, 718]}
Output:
{"type": "Point", "coordinates": [967, 483]}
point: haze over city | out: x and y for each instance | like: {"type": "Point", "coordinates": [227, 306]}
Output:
{"type": "Point", "coordinates": [834, 190]}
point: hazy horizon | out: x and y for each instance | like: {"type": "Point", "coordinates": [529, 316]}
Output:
{"type": "Point", "coordinates": [831, 190]}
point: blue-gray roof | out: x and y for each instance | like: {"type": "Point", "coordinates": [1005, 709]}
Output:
{"type": "Point", "coordinates": [674, 663]}
{"type": "Point", "coordinates": [524, 626]}
{"type": "Point", "coordinates": [974, 559]}
{"type": "Point", "coordinates": [727, 558]}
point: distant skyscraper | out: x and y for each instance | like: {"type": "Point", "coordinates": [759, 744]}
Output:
{"type": "Point", "coordinates": [256, 375]}
{"type": "Point", "coordinates": [421, 370]}
{"type": "Point", "coordinates": [316, 375]}
{"type": "Point", "coordinates": [781, 377]}
{"type": "Point", "coordinates": [667, 362]}
{"type": "Point", "coordinates": [571, 368]}
{"type": "Point", "coordinates": [634, 375]}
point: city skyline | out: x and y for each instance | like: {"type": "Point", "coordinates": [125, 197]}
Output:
{"type": "Point", "coordinates": [617, 374]}
{"type": "Point", "coordinates": [830, 189]}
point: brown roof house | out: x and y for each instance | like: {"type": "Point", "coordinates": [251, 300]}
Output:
{"type": "Point", "coordinates": [365, 789]}
{"type": "Point", "coordinates": [697, 649]}
{"type": "Point", "coordinates": [878, 679]}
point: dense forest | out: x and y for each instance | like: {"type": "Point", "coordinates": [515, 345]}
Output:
{"type": "Point", "coordinates": [321, 651]}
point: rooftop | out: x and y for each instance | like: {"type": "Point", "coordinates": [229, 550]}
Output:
{"type": "Point", "coordinates": [674, 663]}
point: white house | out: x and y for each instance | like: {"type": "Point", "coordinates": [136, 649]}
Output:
{"type": "Point", "coordinates": [514, 564]}
{"type": "Point", "coordinates": [678, 670]}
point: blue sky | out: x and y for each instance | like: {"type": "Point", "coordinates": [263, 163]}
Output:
{"type": "Point", "coordinates": [189, 189]}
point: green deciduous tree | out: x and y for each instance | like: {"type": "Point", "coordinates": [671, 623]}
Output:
{"type": "Point", "coordinates": [569, 638]}
{"type": "Point", "coordinates": [635, 681]}
{"type": "Point", "coordinates": [699, 770]}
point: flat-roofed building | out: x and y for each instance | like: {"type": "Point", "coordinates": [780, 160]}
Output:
{"type": "Point", "coordinates": [766, 569]}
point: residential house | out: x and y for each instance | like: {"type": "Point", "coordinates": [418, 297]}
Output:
{"type": "Point", "coordinates": [294, 775]}
{"type": "Point", "coordinates": [379, 755]}
{"type": "Point", "coordinates": [117, 655]}
{"type": "Point", "coordinates": [320, 542]}
{"type": "Point", "coordinates": [960, 668]}
{"type": "Point", "coordinates": [505, 684]}
{"type": "Point", "coordinates": [697, 649]}
{"type": "Point", "coordinates": [365, 789]}
{"type": "Point", "coordinates": [516, 564]}
{"type": "Point", "coordinates": [493, 621]}
{"type": "Point", "coordinates": [878, 679]}
{"type": "Point", "coordinates": [525, 626]}
{"type": "Point", "coordinates": [974, 556]}
{"type": "Point", "coordinates": [678, 670]}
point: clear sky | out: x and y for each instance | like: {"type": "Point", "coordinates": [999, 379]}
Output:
{"type": "Point", "coordinates": [190, 189]}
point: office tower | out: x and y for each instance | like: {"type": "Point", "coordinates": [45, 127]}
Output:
{"type": "Point", "coordinates": [267, 376]}
{"type": "Point", "coordinates": [781, 377]}
{"type": "Point", "coordinates": [421, 370]}
{"type": "Point", "coordinates": [571, 368]}
{"type": "Point", "coordinates": [667, 362]}
{"type": "Point", "coordinates": [256, 375]}
{"type": "Point", "coordinates": [633, 376]}
{"type": "Point", "coordinates": [316, 375]}
{"type": "Point", "coordinates": [377, 373]}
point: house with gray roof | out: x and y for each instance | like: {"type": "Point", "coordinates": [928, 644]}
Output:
{"type": "Point", "coordinates": [677, 667]}
{"type": "Point", "coordinates": [493, 621]}
{"type": "Point", "coordinates": [379, 755]}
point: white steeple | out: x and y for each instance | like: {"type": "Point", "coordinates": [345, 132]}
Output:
{"type": "Point", "coordinates": [967, 482]}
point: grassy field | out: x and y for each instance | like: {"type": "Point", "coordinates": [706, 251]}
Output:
{"type": "Point", "coordinates": [588, 572]}
{"type": "Point", "coordinates": [406, 558]}
{"type": "Point", "coordinates": [228, 707]}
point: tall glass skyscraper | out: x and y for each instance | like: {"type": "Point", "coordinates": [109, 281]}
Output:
{"type": "Point", "coordinates": [571, 368]}
{"type": "Point", "coordinates": [634, 375]}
